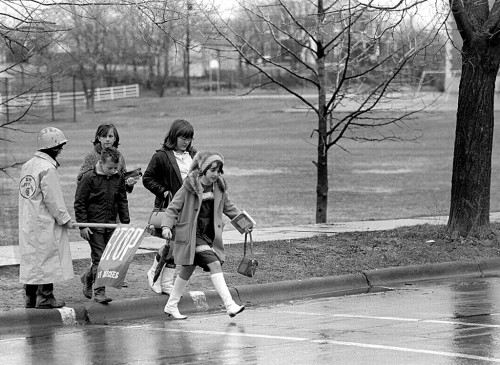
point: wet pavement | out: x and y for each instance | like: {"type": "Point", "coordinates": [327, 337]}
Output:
{"type": "Point", "coordinates": [433, 322]}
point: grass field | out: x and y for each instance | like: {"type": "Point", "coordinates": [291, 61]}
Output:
{"type": "Point", "coordinates": [268, 156]}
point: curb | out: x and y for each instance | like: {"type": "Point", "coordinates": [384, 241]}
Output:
{"type": "Point", "coordinates": [403, 274]}
{"type": "Point", "coordinates": [250, 295]}
{"type": "Point", "coordinates": [301, 289]}
{"type": "Point", "coordinates": [417, 272]}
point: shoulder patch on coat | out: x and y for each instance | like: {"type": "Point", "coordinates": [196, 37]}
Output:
{"type": "Point", "coordinates": [27, 186]}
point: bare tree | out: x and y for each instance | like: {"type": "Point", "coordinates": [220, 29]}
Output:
{"type": "Point", "coordinates": [181, 26]}
{"type": "Point", "coordinates": [478, 23]}
{"type": "Point", "coordinates": [350, 52]}
{"type": "Point", "coordinates": [158, 27]}
{"type": "Point", "coordinates": [26, 34]}
{"type": "Point", "coordinates": [88, 42]}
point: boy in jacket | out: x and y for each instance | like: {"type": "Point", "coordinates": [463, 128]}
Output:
{"type": "Point", "coordinates": [100, 197]}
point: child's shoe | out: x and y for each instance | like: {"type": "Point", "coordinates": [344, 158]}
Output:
{"type": "Point", "coordinates": [173, 311]}
{"type": "Point", "coordinates": [234, 309]}
{"type": "Point", "coordinates": [87, 285]}
{"type": "Point", "coordinates": [51, 304]}
{"type": "Point", "coordinates": [100, 296]}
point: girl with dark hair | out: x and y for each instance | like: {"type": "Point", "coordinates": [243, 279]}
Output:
{"type": "Point", "coordinates": [105, 136]}
{"type": "Point", "coordinates": [164, 175]}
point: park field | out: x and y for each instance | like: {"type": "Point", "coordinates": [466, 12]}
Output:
{"type": "Point", "coordinates": [269, 158]}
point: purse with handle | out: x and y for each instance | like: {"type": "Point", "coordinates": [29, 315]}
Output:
{"type": "Point", "coordinates": [248, 265]}
{"type": "Point", "coordinates": [156, 216]}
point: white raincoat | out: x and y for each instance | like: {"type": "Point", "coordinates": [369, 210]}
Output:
{"type": "Point", "coordinates": [43, 239]}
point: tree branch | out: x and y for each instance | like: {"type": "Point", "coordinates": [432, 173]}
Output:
{"type": "Point", "coordinates": [465, 28]}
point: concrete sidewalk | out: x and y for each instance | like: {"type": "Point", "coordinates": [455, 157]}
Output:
{"type": "Point", "coordinates": [9, 255]}
{"type": "Point", "coordinates": [251, 295]}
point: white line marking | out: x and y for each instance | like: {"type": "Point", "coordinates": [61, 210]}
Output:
{"type": "Point", "coordinates": [404, 349]}
{"type": "Point", "coordinates": [436, 321]}
{"type": "Point", "coordinates": [342, 343]}
{"type": "Point", "coordinates": [381, 318]}
{"type": "Point", "coordinates": [485, 325]}
{"type": "Point", "coordinates": [237, 334]}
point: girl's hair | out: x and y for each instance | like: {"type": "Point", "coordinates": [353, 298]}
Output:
{"type": "Point", "coordinates": [219, 166]}
{"type": "Point", "coordinates": [103, 130]}
{"type": "Point", "coordinates": [179, 128]}
{"type": "Point", "coordinates": [111, 153]}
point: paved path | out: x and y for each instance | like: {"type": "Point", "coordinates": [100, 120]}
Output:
{"type": "Point", "coordinates": [9, 255]}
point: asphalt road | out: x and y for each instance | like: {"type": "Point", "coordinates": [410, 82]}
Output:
{"type": "Point", "coordinates": [434, 322]}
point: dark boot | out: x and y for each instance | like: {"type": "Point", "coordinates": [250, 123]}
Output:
{"type": "Point", "coordinates": [45, 297]}
{"type": "Point", "coordinates": [86, 279]}
{"type": "Point", "coordinates": [30, 295]}
{"type": "Point", "coordinates": [100, 295]}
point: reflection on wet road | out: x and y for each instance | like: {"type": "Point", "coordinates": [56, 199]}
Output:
{"type": "Point", "coordinates": [447, 322]}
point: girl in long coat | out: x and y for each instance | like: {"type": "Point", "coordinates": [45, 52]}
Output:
{"type": "Point", "coordinates": [196, 212]}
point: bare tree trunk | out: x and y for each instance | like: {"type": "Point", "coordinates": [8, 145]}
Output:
{"type": "Point", "coordinates": [187, 61]}
{"type": "Point", "coordinates": [187, 67]}
{"type": "Point", "coordinates": [470, 190]}
{"type": "Point", "coordinates": [322, 163]}
{"type": "Point", "coordinates": [322, 172]}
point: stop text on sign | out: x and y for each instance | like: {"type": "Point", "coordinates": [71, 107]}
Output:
{"type": "Point", "coordinates": [122, 240]}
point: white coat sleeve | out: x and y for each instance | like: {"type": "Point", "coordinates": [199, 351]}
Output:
{"type": "Point", "coordinates": [50, 186]}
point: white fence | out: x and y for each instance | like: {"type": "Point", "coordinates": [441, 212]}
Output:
{"type": "Point", "coordinates": [44, 99]}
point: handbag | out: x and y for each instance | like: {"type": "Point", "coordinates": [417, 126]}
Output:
{"type": "Point", "coordinates": [248, 265]}
{"type": "Point", "coordinates": [156, 216]}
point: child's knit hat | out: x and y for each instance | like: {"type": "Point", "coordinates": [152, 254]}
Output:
{"type": "Point", "coordinates": [202, 160]}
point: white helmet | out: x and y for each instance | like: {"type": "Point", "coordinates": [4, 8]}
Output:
{"type": "Point", "coordinates": [50, 137]}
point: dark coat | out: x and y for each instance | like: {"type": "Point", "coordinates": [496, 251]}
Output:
{"type": "Point", "coordinates": [91, 160]}
{"type": "Point", "coordinates": [100, 199]}
{"type": "Point", "coordinates": [183, 210]}
{"type": "Point", "coordinates": [163, 174]}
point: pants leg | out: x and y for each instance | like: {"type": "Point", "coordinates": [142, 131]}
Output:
{"type": "Point", "coordinates": [98, 241]}
{"type": "Point", "coordinates": [99, 247]}
{"type": "Point", "coordinates": [30, 295]}
{"type": "Point", "coordinates": [45, 294]}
